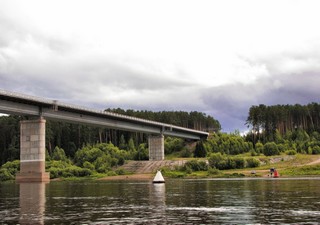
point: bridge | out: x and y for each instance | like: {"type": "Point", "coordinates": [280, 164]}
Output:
{"type": "Point", "coordinates": [37, 110]}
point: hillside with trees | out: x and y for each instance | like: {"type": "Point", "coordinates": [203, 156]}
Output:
{"type": "Point", "coordinates": [78, 150]}
{"type": "Point", "coordinates": [71, 137]}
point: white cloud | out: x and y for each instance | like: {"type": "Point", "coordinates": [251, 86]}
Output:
{"type": "Point", "coordinates": [214, 56]}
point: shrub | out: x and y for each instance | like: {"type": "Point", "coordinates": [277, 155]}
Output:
{"type": "Point", "coordinates": [196, 165]}
{"type": "Point", "coordinates": [231, 163]}
{"type": "Point", "coordinates": [200, 150]}
{"type": "Point", "coordinates": [215, 159]}
{"type": "Point", "coordinates": [291, 152]}
{"type": "Point", "coordinates": [253, 153]}
{"type": "Point", "coordinates": [270, 148]}
{"type": "Point", "coordinates": [112, 173]}
{"type": "Point", "coordinates": [259, 147]}
{"type": "Point", "coordinates": [240, 162]}
{"type": "Point", "coordinates": [12, 166]}
{"type": "Point", "coordinates": [88, 165]}
{"type": "Point", "coordinates": [59, 154]}
{"type": "Point", "coordinates": [252, 162]}
{"type": "Point", "coordinates": [5, 175]}
{"type": "Point", "coordinates": [316, 150]}
{"type": "Point", "coordinates": [213, 171]}
{"type": "Point", "coordinates": [185, 153]}
{"type": "Point", "coordinates": [64, 169]}
{"type": "Point", "coordinates": [120, 172]}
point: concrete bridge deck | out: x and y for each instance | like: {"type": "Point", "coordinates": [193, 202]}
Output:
{"type": "Point", "coordinates": [32, 130]}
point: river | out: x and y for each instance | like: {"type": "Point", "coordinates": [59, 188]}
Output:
{"type": "Point", "coordinates": [178, 201]}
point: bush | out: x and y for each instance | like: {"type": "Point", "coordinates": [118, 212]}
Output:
{"type": "Point", "coordinates": [120, 172]}
{"type": "Point", "coordinates": [253, 153]}
{"type": "Point", "coordinates": [200, 150]}
{"type": "Point", "coordinates": [291, 152]}
{"type": "Point", "coordinates": [240, 163]}
{"type": "Point", "coordinates": [112, 173]}
{"type": "Point", "coordinates": [196, 165]}
{"type": "Point", "coordinates": [213, 171]}
{"type": "Point", "coordinates": [59, 154]}
{"type": "Point", "coordinates": [252, 162]}
{"type": "Point", "coordinates": [270, 148]}
{"type": "Point", "coordinates": [185, 153]}
{"type": "Point", "coordinates": [172, 144]}
{"type": "Point", "coordinates": [222, 162]}
{"type": "Point", "coordinates": [259, 148]}
{"type": "Point", "coordinates": [13, 167]}
{"type": "Point", "coordinates": [316, 150]}
{"type": "Point", "coordinates": [88, 165]}
{"type": "Point", "coordinates": [5, 175]}
{"type": "Point", "coordinates": [215, 159]}
{"type": "Point", "coordinates": [71, 171]}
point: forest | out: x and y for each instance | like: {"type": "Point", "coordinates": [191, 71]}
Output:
{"type": "Point", "coordinates": [71, 137]}
{"type": "Point", "coordinates": [78, 150]}
{"type": "Point", "coordinates": [268, 122]}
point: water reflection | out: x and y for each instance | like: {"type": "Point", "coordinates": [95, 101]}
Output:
{"type": "Point", "coordinates": [32, 203]}
{"type": "Point", "coordinates": [242, 201]}
{"type": "Point", "coordinates": [157, 197]}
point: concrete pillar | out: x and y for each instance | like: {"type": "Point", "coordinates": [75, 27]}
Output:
{"type": "Point", "coordinates": [156, 148]}
{"type": "Point", "coordinates": [32, 151]}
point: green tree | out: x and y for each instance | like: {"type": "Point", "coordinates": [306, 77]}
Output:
{"type": "Point", "coordinates": [59, 154]}
{"type": "Point", "coordinates": [200, 150]}
{"type": "Point", "coordinates": [122, 143]}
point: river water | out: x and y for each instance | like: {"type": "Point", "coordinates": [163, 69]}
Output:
{"type": "Point", "coordinates": [205, 201]}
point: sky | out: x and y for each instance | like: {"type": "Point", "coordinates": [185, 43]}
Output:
{"type": "Point", "coordinates": [218, 57]}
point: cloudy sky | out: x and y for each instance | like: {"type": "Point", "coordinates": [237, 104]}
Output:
{"type": "Point", "coordinates": [218, 56]}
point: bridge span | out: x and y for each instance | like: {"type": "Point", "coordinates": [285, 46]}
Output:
{"type": "Point", "coordinates": [32, 131]}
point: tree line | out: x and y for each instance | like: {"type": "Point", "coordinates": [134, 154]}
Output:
{"type": "Point", "coordinates": [267, 122]}
{"type": "Point", "coordinates": [71, 137]}
{"type": "Point", "coordinates": [78, 150]}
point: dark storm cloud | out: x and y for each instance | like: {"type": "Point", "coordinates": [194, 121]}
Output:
{"type": "Point", "coordinates": [230, 103]}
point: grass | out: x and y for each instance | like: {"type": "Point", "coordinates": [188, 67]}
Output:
{"type": "Point", "coordinates": [313, 170]}
{"type": "Point", "coordinates": [289, 166]}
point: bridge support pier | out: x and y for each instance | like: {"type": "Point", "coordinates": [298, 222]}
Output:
{"type": "Point", "coordinates": [156, 147]}
{"type": "Point", "coordinates": [32, 151]}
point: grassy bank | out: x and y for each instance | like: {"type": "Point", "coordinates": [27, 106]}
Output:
{"type": "Point", "coordinates": [287, 166]}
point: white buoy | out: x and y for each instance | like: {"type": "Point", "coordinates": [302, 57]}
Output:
{"type": "Point", "coordinates": [158, 178]}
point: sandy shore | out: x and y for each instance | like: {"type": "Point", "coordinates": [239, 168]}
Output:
{"type": "Point", "coordinates": [130, 177]}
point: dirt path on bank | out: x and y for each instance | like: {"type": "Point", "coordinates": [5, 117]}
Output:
{"type": "Point", "coordinates": [145, 167]}
{"type": "Point", "coordinates": [145, 170]}
{"type": "Point", "coordinates": [130, 177]}
{"type": "Point", "coordinates": [317, 161]}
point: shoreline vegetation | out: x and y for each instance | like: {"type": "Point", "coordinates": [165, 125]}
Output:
{"type": "Point", "coordinates": [299, 165]}
{"type": "Point", "coordinates": [285, 137]}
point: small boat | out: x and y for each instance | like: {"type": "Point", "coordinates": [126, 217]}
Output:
{"type": "Point", "coordinates": [158, 178]}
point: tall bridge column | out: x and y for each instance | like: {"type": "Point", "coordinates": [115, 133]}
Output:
{"type": "Point", "coordinates": [156, 147]}
{"type": "Point", "coordinates": [32, 151]}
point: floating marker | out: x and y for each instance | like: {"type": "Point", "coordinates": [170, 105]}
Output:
{"type": "Point", "coordinates": [158, 178]}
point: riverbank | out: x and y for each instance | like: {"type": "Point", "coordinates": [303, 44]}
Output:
{"type": "Point", "coordinates": [129, 177]}
{"type": "Point", "coordinates": [287, 166]}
